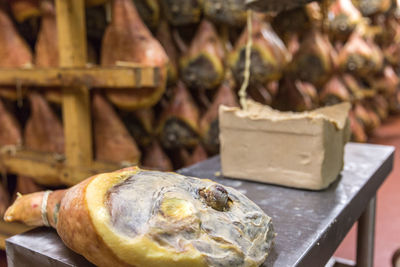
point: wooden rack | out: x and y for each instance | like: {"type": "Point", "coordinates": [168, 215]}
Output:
{"type": "Point", "coordinates": [75, 80]}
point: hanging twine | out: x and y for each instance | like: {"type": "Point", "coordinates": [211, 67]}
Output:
{"type": "Point", "coordinates": [246, 72]}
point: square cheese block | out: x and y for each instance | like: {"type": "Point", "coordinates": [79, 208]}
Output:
{"type": "Point", "coordinates": [302, 150]}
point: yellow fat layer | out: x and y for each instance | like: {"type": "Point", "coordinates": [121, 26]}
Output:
{"type": "Point", "coordinates": [265, 54]}
{"type": "Point", "coordinates": [215, 61]}
{"type": "Point", "coordinates": [138, 251]}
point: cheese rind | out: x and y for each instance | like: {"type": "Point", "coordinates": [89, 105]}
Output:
{"type": "Point", "coordinates": [302, 150]}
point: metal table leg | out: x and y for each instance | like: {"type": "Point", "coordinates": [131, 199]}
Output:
{"type": "Point", "coordinates": [366, 236]}
{"type": "Point", "coordinates": [365, 239]}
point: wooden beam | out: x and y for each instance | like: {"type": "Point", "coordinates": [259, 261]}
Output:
{"type": "Point", "coordinates": [42, 167]}
{"type": "Point", "coordinates": [71, 29]}
{"type": "Point", "coordinates": [50, 169]}
{"type": "Point", "coordinates": [90, 77]}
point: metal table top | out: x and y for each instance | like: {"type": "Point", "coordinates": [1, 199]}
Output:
{"type": "Point", "coordinates": [310, 225]}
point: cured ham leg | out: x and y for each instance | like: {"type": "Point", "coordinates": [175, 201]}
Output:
{"type": "Point", "coordinates": [14, 51]}
{"type": "Point", "coordinates": [314, 60]}
{"type": "Point", "coordinates": [43, 132]}
{"type": "Point", "coordinates": [343, 17]}
{"type": "Point", "coordinates": [296, 95]}
{"type": "Point", "coordinates": [112, 140]}
{"type": "Point", "coordinates": [334, 92]}
{"type": "Point", "coordinates": [199, 154]}
{"type": "Point", "coordinates": [202, 66]}
{"type": "Point", "coordinates": [128, 39]}
{"type": "Point", "coordinates": [156, 159]}
{"type": "Point", "coordinates": [140, 125]}
{"type": "Point", "coordinates": [142, 218]}
{"type": "Point", "coordinates": [268, 54]}
{"type": "Point", "coordinates": [360, 56]}
{"type": "Point", "coordinates": [46, 49]}
{"type": "Point", "coordinates": [209, 122]}
{"type": "Point", "coordinates": [357, 129]}
{"type": "Point", "coordinates": [179, 121]}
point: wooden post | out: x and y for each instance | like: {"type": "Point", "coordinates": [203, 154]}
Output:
{"type": "Point", "coordinates": [76, 103]}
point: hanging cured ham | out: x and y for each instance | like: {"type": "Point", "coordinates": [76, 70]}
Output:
{"type": "Point", "coordinates": [202, 66]}
{"type": "Point", "coordinates": [199, 154]}
{"type": "Point", "coordinates": [381, 106]}
{"type": "Point", "coordinates": [146, 218]}
{"type": "Point", "coordinates": [386, 82]}
{"type": "Point", "coordinates": [342, 18]}
{"type": "Point", "coordinates": [334, 92]}
{"type": "Point", "coordinates": [268, 54]}
{"type": "Point", "coordinates": [46, 49]}
{"type": "Point", "coordinates": [364, 116]}
{"type": "Point", "coordinates": [290, 22]}
{"type": "Point", "coordinates": [14, 51]}
{"type": "Point", "coordinates": [140, 125]}
{"type": "Point", "coordinates": [314, 60]}
{"type": "Point", "coordinates": [354, 86]}
{"type": "Point", "coordinates": [360, 55]}
{"type": "Point", "coordinates": [43, 132]}
{"type": "Point", "coordinates": [127, 39]}
{"type": "Point", "coordinates": [113, 142]}
{"type": "Point", "coordinates": [156, 159]}
{"type": "Point", "coordinates": [178, 126]}
{"type": "Point", "coordinates": [376, 121]}
{"type": "Point", "coordinates": [357, 129]}
{"type": "Point", "coordinates": [209, 122]}
{"type": "Point", "coordinates": [296, 95]}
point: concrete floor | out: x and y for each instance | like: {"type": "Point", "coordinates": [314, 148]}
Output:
{"type": "Point", "coordinates": [388, 204]}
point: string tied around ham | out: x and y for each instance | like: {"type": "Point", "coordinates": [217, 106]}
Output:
{"type": "Point", "coordinates": [43, 209]}
{"type": "Point", "coordinates": [245, 84]}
